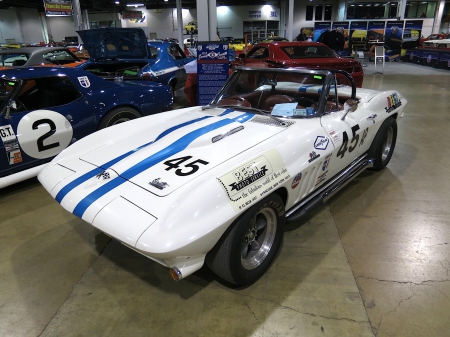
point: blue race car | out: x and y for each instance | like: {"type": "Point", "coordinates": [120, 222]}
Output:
{"type": "Point", "coordinates": [45, 109]}
{"type": "Point", "coordinates": [125, 52]}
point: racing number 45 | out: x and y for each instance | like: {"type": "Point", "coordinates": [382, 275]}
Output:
{"type": "Point", "coordinates": [353, 142]}
{"type": "Point", "coordinates": [192, 166]}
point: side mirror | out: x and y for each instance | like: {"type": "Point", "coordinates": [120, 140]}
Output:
{"type": "Point", "coordinates": [350, 105]}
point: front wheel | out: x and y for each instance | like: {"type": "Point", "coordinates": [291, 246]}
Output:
{"type": "Point", "coordinates": [383, 144]}
{"type": "Point", "coordinates": [118, 115]}
{"type": "Point", "coordinates": [248, 248]}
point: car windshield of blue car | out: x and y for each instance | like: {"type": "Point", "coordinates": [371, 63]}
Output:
{"type": "Point", "coordinates": [13, 59]}
{"type": "Point", "coordinates": [279, 93]}
{"type": "Point", "coordinates": [298, 52]}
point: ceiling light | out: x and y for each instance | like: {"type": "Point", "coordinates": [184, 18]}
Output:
{"type": "Point", "coordinates": [135, 5]}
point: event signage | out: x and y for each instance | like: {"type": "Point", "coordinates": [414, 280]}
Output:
{"type": "Point", "coordinates": [320, 28]}
{"type": "Point", "coordinates": [212, 69]}
{"type": "Point", "coordinates": [58, 8]}
{"type": "Point", "coordinates": [131, 15]}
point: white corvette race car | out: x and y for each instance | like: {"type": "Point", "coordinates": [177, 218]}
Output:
{"type": "Point", "coordinates": [216, 184]}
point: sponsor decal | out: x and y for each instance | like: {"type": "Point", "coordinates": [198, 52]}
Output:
{"type": "Point", "coordinates": [11, 144]}
{"type": "Point", "coordinates": [393, 102]}
{"type": "Point", "coordinates": [411, 56]}
{"type": "Point", "coordinates": [334, 136]}
{"type": "Point", "coordinates": [248, 183]}
{"type": "Point", "coordinates": [428, 58]}
{"type": "Point", "coordinates": [313, 156]}
{"type": "Point", "coordinates": [103, 175]}
{"type": "Point", "coordinates": [158, 183]}
{"type": "Point", "coordinates": [321, 143]}
{"type": "Point", "coordinates": [84, 81]}
{"type": "Point", "coordinates": [296, 180]}
{"type": "Point", "coordinates": [321, 178]}
{"type": "Point", "coordinates": [326, 162]}
{"type": "Point", "coordinates": [229, 133]}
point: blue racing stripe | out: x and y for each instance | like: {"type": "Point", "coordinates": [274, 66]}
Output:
{"type": "Point", "coordinates": [69, 187]}
{"type": "Point", "coordinates": [176, 147]}
{"type": "Point", "coordinates": [226, 112]}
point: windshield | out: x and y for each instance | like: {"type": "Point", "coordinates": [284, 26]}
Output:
{"type": "Point", "coordinates": [280, 93]}
{"type": "Point", "coordinates": [298, 52]}
{"type": "Point", "coordinates": [13, 59]}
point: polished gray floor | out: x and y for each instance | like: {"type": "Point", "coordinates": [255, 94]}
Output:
{"type": "Point", "coordinates": [374, 261]}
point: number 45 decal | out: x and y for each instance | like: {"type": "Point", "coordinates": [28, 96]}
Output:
{"type": "Point", "coordinates": [353, 143]}
{"type": "Point", "coordinates": [192, 166]}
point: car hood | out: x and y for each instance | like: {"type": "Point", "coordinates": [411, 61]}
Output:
{"type": "Point", "coordinates": [115, 43]}
{"type": "Point", "coordinates": [325, 62]}
{"type": "Point", "coordinates": [184, 146]}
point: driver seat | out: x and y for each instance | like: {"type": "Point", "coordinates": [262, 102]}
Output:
{"type": "Point", "coordinates": [271, 101]}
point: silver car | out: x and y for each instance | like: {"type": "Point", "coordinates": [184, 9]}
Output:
{"type": "Point", "coordinates": [30, 56]}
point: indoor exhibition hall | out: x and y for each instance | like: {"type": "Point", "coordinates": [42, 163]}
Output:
{"type": "Point", "coordinates": [224, 168]}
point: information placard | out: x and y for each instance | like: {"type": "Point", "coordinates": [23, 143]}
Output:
{"type": "Point", "coordinates": [212, 69]}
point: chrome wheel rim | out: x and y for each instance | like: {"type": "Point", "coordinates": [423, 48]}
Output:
{"type": "Point", "coordinates": [387, 145]}
{"type": "Point", "coordinates": [259, 238]}
{"type": "Point", "coordinates": [121, 120]}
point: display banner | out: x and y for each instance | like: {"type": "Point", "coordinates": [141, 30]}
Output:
{"type": "Point", "coordinates": [375, 30]}
{"type": "Point", "coordinates": [344, 25]}
{"type": "Point", "coordinates": [320, 28]}
{"type": "Point", "coordinates": [358, 33]}
{"type": "Point", "coordinates": [393, 37]}
{"type": "Point", "coordinates": [412, 33]}
{"type": "Point", "coordinates": [212, 69]}
{"type": "Point", "coordinates": [58, 8]}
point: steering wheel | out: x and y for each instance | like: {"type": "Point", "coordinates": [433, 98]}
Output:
{"type": "Point", "coordinates": [304, 101]}
{"type": "Point", "coordinates": [234, 100]}
{"type": "Point", "coordinates": [20, 105]}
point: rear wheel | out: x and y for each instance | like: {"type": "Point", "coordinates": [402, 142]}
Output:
{"type": "Point", "coordinates": [248, 248]}
{"type": "Point", "coordinates": [383, 144]}
{"type": "Point", "coordinates": [119, 115]}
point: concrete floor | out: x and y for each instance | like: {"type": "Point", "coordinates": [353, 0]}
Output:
{"type": "Point", "coordinates": [374, 261]}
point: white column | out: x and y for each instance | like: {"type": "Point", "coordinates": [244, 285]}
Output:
{"type": "Point", "coordinates": [202, 20]}
{"type": "Point", "coordinates": [77, 15]}
{"type": "Point", "coordinates": [341, 10]}
{"type": "Point", "coordinates": [212, 20]}
{"type": "Point", "coordinates": [438, 17]}
{"type": "Point", "coordinates": [401, 9]}
{"type": "Point", "coordinates": [180, 24]}
{"type": "Point", "coordinates": [290, 22]}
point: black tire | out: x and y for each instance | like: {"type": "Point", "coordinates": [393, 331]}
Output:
{"type": "Point", "coordinates": [383, 144]}
{"type": "Point", "coordinates": [261, 227]}
{"type": "Point", "coordinates": [118, 115]}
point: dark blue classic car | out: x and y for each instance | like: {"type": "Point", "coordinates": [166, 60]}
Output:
{"type": "Point", "coordinates": [45, 109]}
{"type": "Point", "coordinates": [125, 52]}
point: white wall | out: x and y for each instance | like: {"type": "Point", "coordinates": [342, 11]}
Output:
{"type": "Point", "coordinates": [164, 24]}
{"type": "Point", "coordinates": [59, 27]}
{"type": "Point", "coordinates": [9, 26]}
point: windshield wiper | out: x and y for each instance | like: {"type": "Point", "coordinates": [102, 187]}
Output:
{"type": "Point", "coordinates": [245, 108]}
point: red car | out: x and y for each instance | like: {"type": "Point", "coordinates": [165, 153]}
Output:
{"type": "Point", "coordinates": [438, 36]}
{"type": "Point", "coordinates": [300, 55]}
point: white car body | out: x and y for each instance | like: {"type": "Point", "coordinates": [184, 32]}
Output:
{"type": "Point", "coordinates": [170, 185]}
{"type": "Point", "coordinates": [444, 43]}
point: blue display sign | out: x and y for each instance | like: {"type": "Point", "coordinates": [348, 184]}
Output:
{"type": "Point", "coordinates": [212, 69]}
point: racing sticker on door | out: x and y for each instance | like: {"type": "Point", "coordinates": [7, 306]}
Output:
{"type": "Point", "coordinates": [44, 133]}
{"type": "Point", "coordinates": [248, 183]}
{"type": "Point", "coordinates": [11, 144]}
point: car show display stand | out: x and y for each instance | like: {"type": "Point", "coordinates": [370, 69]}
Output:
{"type": "Point", "coordinates": [379, 58]}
